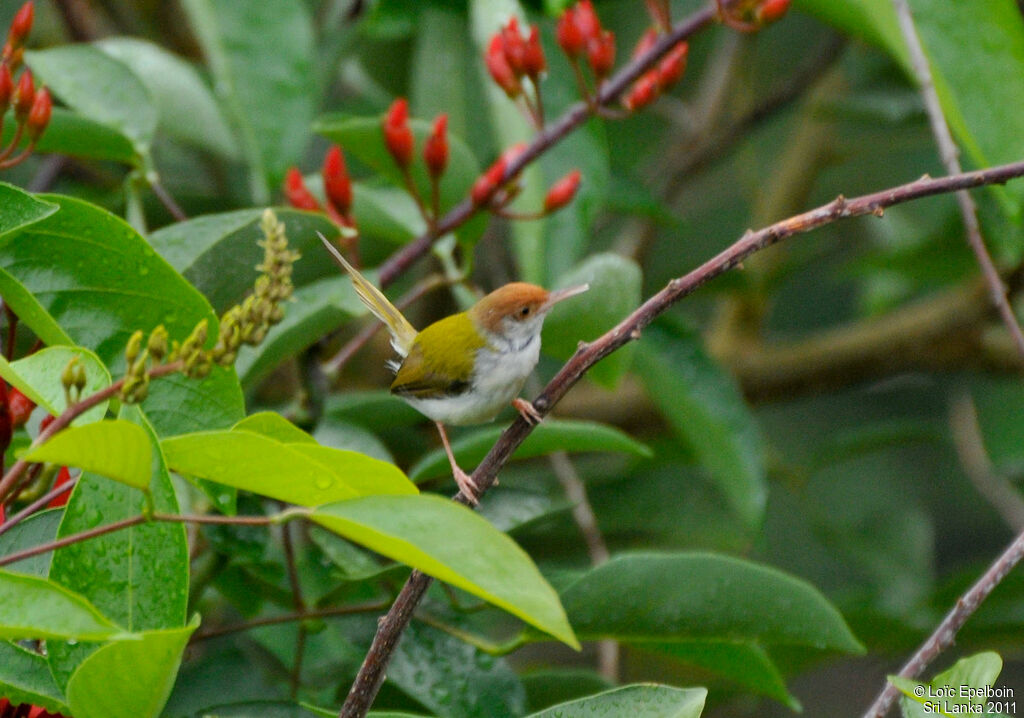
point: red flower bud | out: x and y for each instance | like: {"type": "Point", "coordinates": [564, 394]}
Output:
{"type": "Point", "coordinates": [296, 192]}
{"type": "Point", "coordinates": [772, 10]}
{"type": "Point", "coordinates": [6, 88]}
{"type": "Point", "coordinates": [587, 21]}
{"type": "Point", "coordinates": [673, 65]}
{"type": "Point", "coordinates": [6, 422]}
{"type": "Point", "coordinates": [21, 25]}
{"type": "Point", "coordinates": [20, 407]}
{"type": "Point", "coordinates": [487, 183]}
{"type": "Point", "coordinates": [45, 422]}
{"type": "Point", "coordinates": [601, 53]}
{"type": "Point", "coordinates": [501, 72]}
{"type": "Point", "coordinates": [643, 92]}
{"type": "Point", "coordinates": [397, 135]}
{"type": "Point", "coordinates": [435, 150]}
{"type": "Point", "coordinates": [337, 185]}
{"type": "Point", "coordinates": [25, 97]}
{"type": "Point", "coordinates": [514, 46]}
{"type": "Point", "coordinates": [568, 34]}
{"type": "Point", "coordinates": [39, 115]}
{"type": "Point", "coordinates": [63, 476]}
{"type": "Point", "coordinates": [534, 62]}
{"type": "Point", "coordinates": [562, 192]}
{"type": "Point", "coordinates": [645, 43]}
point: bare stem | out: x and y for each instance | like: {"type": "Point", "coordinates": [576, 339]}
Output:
{"type": "Point", "coordinates": [289, 618]}
{"type": "Point", "coordinates": [371, 673]}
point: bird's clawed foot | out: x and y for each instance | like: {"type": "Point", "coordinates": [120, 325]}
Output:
{"type": "Point", "coordinates": [466, 485]}
{"type": "Point", "coordinates": [527, 411]}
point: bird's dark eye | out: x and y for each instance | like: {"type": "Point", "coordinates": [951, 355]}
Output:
{"type": "Point", "coordinates": [524, 312]}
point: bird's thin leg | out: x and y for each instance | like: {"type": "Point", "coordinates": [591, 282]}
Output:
{"type": "Point", "coordinates": [526, 410]}
{"type": "Point", "coordinates": [465, 482]}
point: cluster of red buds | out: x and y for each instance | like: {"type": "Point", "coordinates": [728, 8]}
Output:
{"type": "Point", "coordinates": [401, 146]}
{"type": "Point", "coordinates": [579, 33]}
{"type": "Point", "coordinates": [510, 58]}
{"type": "Point", "coordinates": [337, 189]}
{"type": "Point", "coordinates": [493, 190]}
{"type": "Point", "coordinates": [659, 78]}
{"type": "Point", "coordinates": [25, 710]}
{"type": "Point", "coordinates": [32, 108]}
{"type": "Point", "coordinates": [751, 15]}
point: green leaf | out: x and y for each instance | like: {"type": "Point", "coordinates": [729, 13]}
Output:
{"type": "Point", "coordinates": [362, 138]}
{"type": "Point", "coordinates": [262, 59]}
{"type": "Point", "coordinates": [100, 88]}
{"type": "Point", "coordinates": [137, 576]}
{"type": "Point", "coordinates": [145, 670]}
{"type": "Point", "coordinates": [386, 213]}
{"type": "Point", "coordinates": [30, 312]}
{"type": "Point", "coordinates": [20, 209]}
{"type": "Point", "coordinates": [615, 284]}
{"type": "Point", "coordinates": [944, 694]}
{"type": "Point", "coordinates": [33, 607]}
{"type": "Point", "coordinates": [319, 308]}
{"type": "Point", "coordinates": [452, 678]}
{"type": "Point", "coordinates": [375, 409]}
{"type": "Point", "coordinates": [451, 543]}
{"type": "Point", "coordinates": [218, 252]}
{"type": "Point", "coordinates": [440, 61]}
{"type": "Point", "coordinates": [707, 412]}
{"type": "Point", "coordinates": [510, 127]}
{"type": "Point", "coordinates": [274, 426]}
{"type": "Point", "coordinates": [637, 701]}
{"type": "Point", "coordinates": [25, 678]}
{"type": "Point", "coordinates": [186, 109]}
{"type": "Point", "coordinates": [695, 596]}
{"type": "Point", "coordinates": [39, 528]}
{"type": "Point", "coordinates": [550, 436]}
{"type": "Point", "coordinates": [548, 686]}
{"type": "Point", "coordinates": [872, 20]}
{"type": "Point", "coordinates": [116, 449]}
{"type": "Point", "coordinates": [38, 376]}
{"type": "Point", "coordinates": [745, 664]}
{"type": "Point", "coordinates": [299, 473]}
{"type": "Point", "coordinates": [76, 136]}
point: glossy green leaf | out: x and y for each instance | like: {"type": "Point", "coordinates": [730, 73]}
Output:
{"type": "Point", "coordinates": [745, 664]}
{"type": "Point", "coordinates": [637, 701]}
{"type": "Point", "coordinates": [37, 529]}
{"type": "Point", "coordinates": [452, 678]}
{"type": "Point", "coordinates": [262, 59]}
{"type": "Point", "coordinates": [375, 409]}
{"type": "Point", "coordinates": [218, 252]}
{"type": "Point", "coordinates": [319, 308]}
{"type": "Point", "coordinates": [873, 20]}
{"type": "Point", "coordinates": [510, 127]}
{"type": "Point", "coordinates": [615, 284]}
{"type": "Point", "coordinates": [38, 376]}
{"type": "Point", "coordinates": [25, 678]}
{"type": "Point", "coordinates": [137, 576]}
{"type": "Point", "coordinates": [274, 426]}
{"type": "Point", "coordinates": [100, 88]}
{"type": "Point", "coordinates": [146, 670]}
{"type": "Point", "coordinates": [696, 596]}
{"type": "Point", "coordinates": [451, 543]}
{"type": "Point", "coordinates": [945, 692]}
{"type": "Point", "coordinates": [362, 138]}
{"type": "Point", "coordinates": [116, 449]}
{"type": "Point", "coordinates": [299, 473]}
{"type": "Point", "coordinates": [20, 209]}
{"type": "Point", "coordinates": [707, 412]}
{"type": "Point", "coordinates": [30, 312]}
{"type": "Point", "coordinates": [550, 436]}
{"type": "Point", "coordinates": [33, 607]}
{"type": "Point", "coordinates": [550, 686]}
{"type": "Point", "coordinates": [386, 213]}
{"type": "Point", "coordinates": [185, 107]}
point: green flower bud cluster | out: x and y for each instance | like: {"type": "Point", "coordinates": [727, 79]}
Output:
{"type": "Point", "coordinates": [138, 359]}
{"type": "Point", "coordinates": [248, 322]}
{"type": "Point", "coordinates": [73, 380]}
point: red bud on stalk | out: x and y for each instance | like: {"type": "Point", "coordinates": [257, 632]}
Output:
{"type": "Point", "coordinates": [586, 20]}
{"type": "Point", "coordinates": [514, 46]}
{"type": "Point", "coordinates": [296, 192]}
{"type": "Point", "coordinates": [672, 67]}
{"type": "Point", "coordinates": [487, 183]}
{"type": "Point", "coordinates": [337, 184]}
{"type": "Point", "coordinates": [435, 150]}
{"type": "Point", "coordinates": [771, 10]}
{"type": "Point", "coordinates": [601, 53]}
{"type": "Point", "coordinates": [643, 92]}
{"type": "Point", "coordinates": [645, 43]}
{"type": "Point", "coordinates": [6, 88]}
{"type": "Point", "coordinates": [534, 62]}
{"type": "Point", "coordinates": [568, 34]}
{"type": "Point", "coordinates": [562, 192]}
{"type": "Point", "coordinates": [21, 26]}
{"type": "Point", "coordinates": [25, 97]}
{"type": "Point", "coordinates": [20, 407]}
{"type": "Point", "coordinates": [39, 115]}
{"type": "Point", "coordinates": [63, 476]}
{"type": "Point", "coordinates": [397, 135]}
{"type": "Point", "coordinates": [501, 72]}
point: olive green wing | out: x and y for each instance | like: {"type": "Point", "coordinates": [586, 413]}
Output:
{"type": "Point", "coordinates": [440, 361]}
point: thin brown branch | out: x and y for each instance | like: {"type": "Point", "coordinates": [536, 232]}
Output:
{"type": "Point", "coordinates": [950, 160]}
{"type": "Point", "coordinates": [371, 673]}
{"type": "Point", "coordinates": [38, 504]}
{"type": "Point", "coordinates": [298, 603]}
{"type": "Point", "coordinates": [576, 115]}
{"type": "Point", "coordinates": [167, 200]}
{"type": "Point", "coordinates": [289, 618]}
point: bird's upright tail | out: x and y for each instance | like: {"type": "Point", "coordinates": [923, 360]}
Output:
{"type": "Point", "coordinates": [402, 332]}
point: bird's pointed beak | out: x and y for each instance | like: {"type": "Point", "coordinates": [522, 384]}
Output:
{"type": "Point", "coordinates": [559, 294]}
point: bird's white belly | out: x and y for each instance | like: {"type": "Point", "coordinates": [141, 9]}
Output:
{"type": "Point", "coordinates": [497, 380]}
